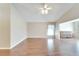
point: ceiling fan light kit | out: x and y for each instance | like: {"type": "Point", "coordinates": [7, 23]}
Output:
{"type": "Point", "coordinates": [45, 9]}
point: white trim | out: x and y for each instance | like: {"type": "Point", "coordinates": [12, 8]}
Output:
{"type": "Point", "coordinates": [37, 36]}
{"type": "Point", "coordinates": [4, 48]}
{"type": "Point", "coordinates": [17, 43]}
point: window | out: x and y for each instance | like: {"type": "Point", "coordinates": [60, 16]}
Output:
{"type": "Point", "coordinates": [50, 31]}
{"type": "Point", "coordinates": [66, 27]}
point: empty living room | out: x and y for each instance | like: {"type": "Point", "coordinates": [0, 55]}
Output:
{"type": "Point", "coordinates": [39, 29]}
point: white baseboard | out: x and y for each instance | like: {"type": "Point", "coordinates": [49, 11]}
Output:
{"type": "Point", "coordinates": [37, 36]}
{"type": "Point", "coordinates": [17, 43]}
{"type": "Point", "coordinates": [4, 48]}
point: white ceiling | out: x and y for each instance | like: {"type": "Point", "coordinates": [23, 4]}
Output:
{"type": "Point", "coordinates": [31, 12]}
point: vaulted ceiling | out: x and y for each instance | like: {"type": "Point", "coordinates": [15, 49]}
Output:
{"type": "Point", "coordinates": [31, 12]}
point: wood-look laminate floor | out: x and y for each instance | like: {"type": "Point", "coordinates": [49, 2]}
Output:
{"type": "Point", "coordinates": [45, 47]}
{"type": "Point", "coordinates": [31, 47]}
{"type": "Point", "coordinates": [4, 52]}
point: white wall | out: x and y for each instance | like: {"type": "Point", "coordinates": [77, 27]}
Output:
{"type": "Point", "coordinates": [4, 26]}
{"type": "Point", "coordinates": [76, 29]}
{"type": "Point", "coordinates": [18, 27]}
{"type": "Point", "coordinates": [57, 32]}
{"type": "Point", "coordinates": [37, 29]}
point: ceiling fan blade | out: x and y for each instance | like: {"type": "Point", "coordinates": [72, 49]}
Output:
{"type": "Point", "coordinates": [49, 8]}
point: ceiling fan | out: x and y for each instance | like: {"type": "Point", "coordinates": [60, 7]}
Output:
{"type": "Point", "coordinates": [45, 8]}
